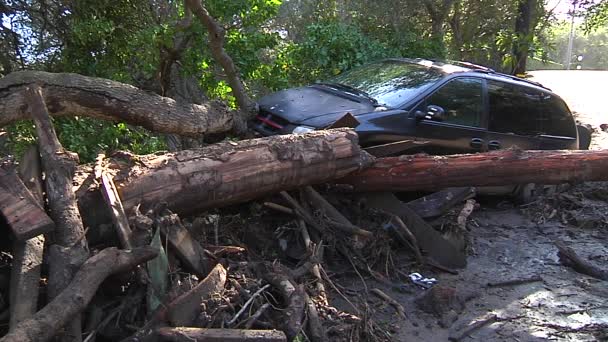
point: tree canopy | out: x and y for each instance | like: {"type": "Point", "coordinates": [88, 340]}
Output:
{"type": "Point", "coordinates": [164, 47]}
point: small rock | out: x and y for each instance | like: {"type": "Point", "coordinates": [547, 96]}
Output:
{"type": "Point", "coordinates": [440, 300]}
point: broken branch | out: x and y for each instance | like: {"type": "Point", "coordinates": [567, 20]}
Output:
{"type": "Point", "coordinates": [77, 295]}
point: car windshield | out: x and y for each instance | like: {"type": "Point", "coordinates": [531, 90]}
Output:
{"type": "Point", "coordinates": [391, 83]}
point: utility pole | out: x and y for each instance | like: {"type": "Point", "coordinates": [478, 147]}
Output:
{"type": "Point", "coordinates": [571, 38]}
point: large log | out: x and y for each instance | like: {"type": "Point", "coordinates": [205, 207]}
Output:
{"type": "Point", "coordinates": [226, 173]}
{"type": "Point", "coordinates": [73, 94]}
{"type": "Point", "coordinates": [425, 172]}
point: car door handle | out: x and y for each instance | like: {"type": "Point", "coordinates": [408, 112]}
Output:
{"type": "Point", "coordinates": [494, 145]}
{"type": "Point", "coordinates": [476, 143]}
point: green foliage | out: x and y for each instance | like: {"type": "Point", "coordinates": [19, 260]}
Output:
{"type": "Point", "coordinates": [331, 48]}
{"type": "Point", "coordinates": [596, 16]}
{"type": "Point", "coordinates": [87, 137]}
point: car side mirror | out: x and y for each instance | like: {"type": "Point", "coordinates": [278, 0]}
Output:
{"type": "Point", "coordinates": [432, 112]}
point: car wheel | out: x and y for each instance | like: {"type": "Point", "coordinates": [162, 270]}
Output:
{"type": "Point", "coordinates": [584, 137]}
{"type": "Point", "coordinates": [527, 193]}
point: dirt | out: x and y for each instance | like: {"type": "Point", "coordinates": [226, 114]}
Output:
{"type": "Point", "coordinates": [508, 244]}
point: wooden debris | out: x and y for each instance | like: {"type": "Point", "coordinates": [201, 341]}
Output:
{"type": "Point", "coordinates": [472, 328]}
{"type": "Point", "coordinates": [119, 217]}
{"type": "Point", "coordinates": [439, 202]}
{"type": "Point", "coordinates": [568, 257]}
{"type": "Point", "coordinates": [183, 310]}
{"type": "Point", "coordinates": [348, 120]}
{"type": "Point", "coordinates": [295, 298]}
{"type": "Point", "coordinates": [336, 218]}
{"type": "Point", "coordinates": [246, 305]}
{"type": "Point", "coordinates": [280, 208]}
{"type": "Point", "coordinates": [25, 217]}
{"type": "Point", "coordinates": [27, 255]}
{"type": "Point", "coordinates": [466, 211]}
{"type": "Point", "coordinates": [503, 167]}
{"type": "Point", "coordinates": [391, 301]}
{"type": "Point", "coordinates": [185, 246]}
{"type": "Point", "coordinates": [441, 250]}
{"type": "Point", "coordinates": [183, 334]}
{"type": "Point", "coordinates": [70, 249]}
{"type": "Point", "coordinates": [514, 282]}
{"type": "Point", "coordinates": [406, 237]}
{"type": "Point", "coordinates": [77, 295]}
{"type": "Point", "coordinates": [317, 254]}
{"type": "Point", "coordinates": [395, 148]}
{"type": "Point", "coordinates": [254, 318]}
{"type": "Point", "coordinates": [316, 332]}
{"type": "Point", "coordinates": [301, 212]}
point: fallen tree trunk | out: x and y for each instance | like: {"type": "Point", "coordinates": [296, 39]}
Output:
{"type": "Point", "coordinates": [425, 172]}
{"type": "Point", "coordinates": [73, 299]}
{"type": "Point", "coordinates": [73, 94]}
{"type": "Point", "coordinates": [225, 173]}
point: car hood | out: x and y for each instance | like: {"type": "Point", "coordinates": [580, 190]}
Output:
{"type": "Point", "coordinates": [313, 105]}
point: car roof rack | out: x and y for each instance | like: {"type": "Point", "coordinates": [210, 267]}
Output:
{"type": "Point", "coordinates": [511, 77]}
{"type": "Point", "coordinates": [477, 68]}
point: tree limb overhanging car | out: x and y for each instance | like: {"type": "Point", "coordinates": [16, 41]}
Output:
{"type": "Point", "coordinates": [456, 107]}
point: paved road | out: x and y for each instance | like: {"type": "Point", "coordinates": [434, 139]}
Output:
{"type": "Point", "coordinates": [585, 91]}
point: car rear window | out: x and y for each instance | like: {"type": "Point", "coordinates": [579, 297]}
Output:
{"type": "Point", "coordinates": [391, 83]}
{"type": "Point", "coordinates": [556, 118]}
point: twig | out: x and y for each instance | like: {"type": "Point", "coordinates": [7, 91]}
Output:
{"type": "Point", "coordinates": [249, 301]}
{"type": "Point", "coordinates": [397, 222]}
{"type": "Point", "coordinates": [391, 301]}
{"type": "Point", "coordinates": [512, 282]}
{"type": "Point", "coordinates": [302, 212]}
{"type": "Point", "coordinates": [468, 208]}
{"type": "Point", "coordinates": [280, 208]}
{"type": "Point", "coordinates": [256, 315]}
{"type": "Point", "coordinates": [429, 261]}
{"type": "Point", "coordinates": [473, 327]}
{"type": "Point", "coordinates": [568, 257]}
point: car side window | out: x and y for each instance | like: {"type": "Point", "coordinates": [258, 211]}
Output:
{"type": "Point", "coordinates": [556, 118]}
{"type": "Point", "coordinates": [462, 101]}
{"type": "Point", "coordinates": [514, 109]}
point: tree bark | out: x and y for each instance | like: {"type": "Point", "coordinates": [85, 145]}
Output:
{"type": "Point", "coordinates": [70, 249]}
{"type": "Point", "coordinates": [74, 298]}
{"type": "Point", "coordinates": [183, 334]}
{"type": "Point", "coordinates": [72, 94]}
{"type": "Point", "coordinates": [225, 173]}
{"type": "Point", "coordinates": [523, 26]}
{"type": "Point", "coordinates": [425, 172]}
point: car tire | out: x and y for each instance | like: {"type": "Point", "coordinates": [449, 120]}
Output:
{"type": "Point", "coordinates": [528, 193]}
{"type": "Point", "coordinates": [584, 137]}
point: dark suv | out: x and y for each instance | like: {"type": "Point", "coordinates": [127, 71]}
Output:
{"type": "Point", "coordinates": [457, 107]}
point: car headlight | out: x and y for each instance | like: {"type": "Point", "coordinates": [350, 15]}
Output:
{"type": "Point", "coordinates": [303, 129]}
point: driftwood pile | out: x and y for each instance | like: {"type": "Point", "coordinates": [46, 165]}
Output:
{"type": "Point", "coordinates": [128, 250]}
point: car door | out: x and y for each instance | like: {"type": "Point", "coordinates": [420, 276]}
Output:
{"type": "Point", "coordinates": [514, 120]}
{"type": "Point", "coordinates": [462, 128]}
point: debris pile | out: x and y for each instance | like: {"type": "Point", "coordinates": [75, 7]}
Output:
{"type": "Point", "coordinates": [136, 248]}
